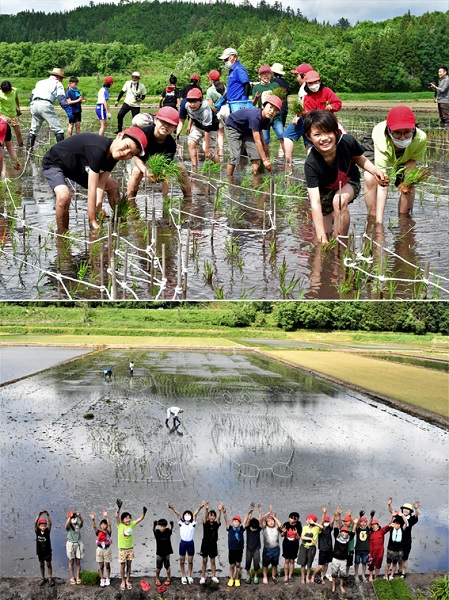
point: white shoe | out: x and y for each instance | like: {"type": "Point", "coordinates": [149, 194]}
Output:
{"type": "Point", "coordinates": [101, 582]}
{"type": "Point", "coordinates": [215, 580]}
{"type": "Point", "coordinates": [107, 582]}
{"type": "Point", "coordinates": [202, 581]}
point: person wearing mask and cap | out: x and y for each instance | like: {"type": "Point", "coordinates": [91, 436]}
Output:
{"type": "Point", "coordinates": [194, 83]}
{"type": "Point", "coordinates": [158, 133]}
{"type": "Point", "coordinates": [295, 129]}
{"type": "Point", "coordinates": [262, 90]}
{"type": "Point", "coordinates": [395, 141]}
{"type": "Point", "coordinates": [239, 86]}
{"type": "Point", "coordinates": [135, 93]}
{"type": "Point", "coordinates": [42, 109]}
{"type": "Point", "coordinates": [88, 159]}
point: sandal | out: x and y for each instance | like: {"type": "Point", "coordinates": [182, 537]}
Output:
{"type": "Point", "coordinates": [43, 581]}
{"type": "Point", "coordinates": [122, 587]}
{"type": "Point", "coordinates": [129, 586]}
{"type": "Point", "coordinates": [78, 581]}
{"type": "Point", "coordinates": [72, 581]}
{"type": "Point", "coordinates": [167, 582]}
{"type": "Point", "coordinates": [157, 582]}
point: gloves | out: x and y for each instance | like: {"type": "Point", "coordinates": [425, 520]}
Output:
{"type": "Point", "coordinates": [219, 103]}
{"type": "Point", "coordinates": [372, 513]}
{"type": "Point", "coordinates": [144, 510]}
{"type": "Point", "coordinates": [108, 115]}
{"type": "Point", "coordinates": [119, 503]}
{"type": "Point", "coordinates": [361, 513]}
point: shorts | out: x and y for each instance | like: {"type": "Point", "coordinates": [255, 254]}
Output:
{"type": "Point", "coordinates": [327, 200]}
{"type": "Point", "coordinates": [182, 109]}
{"type": "Point", "coordinates": [8, 135]}
{"type": "Point", "coordinates": [74, 549]}
{"type": "Point", "coordinates": [394, 556]}
{"type": "Point", "coordinates": [186, 548]}
{"type": "Point", "coordinates": [44, 558]}
{"type": "Point", "coordinates": [125, 554]}
{"type": "Point", "coordinates": [162, 561]}
{"type": "Point", "coordinates": [361, 557]}
{"type": "Point", "coordinates": [13, 121]}
{"type": "Point", "coordinates": [209, 549]}
{"type": "Point", "coordinates": [75, 118]}
{"type": "Point", "coordinates": [270, 556]}
{"type": "Point", "coordinates": [103, 555]}
{"type": "Point", "coordinates": [324, 557]}
{"type": "Point", "coordinates": [338, 568]}
{"type": "Point", "coordinates": [290, 549]}
{"type": "Point", "coordinates": [101, 112]}
{"type": "Point", "coordinates": [306, 556]}
{"type": "Point", "coordinates": [236, 140]}
{"type": "Point", "coordinates": [235, 556]}
{"type": "Point", "coordinates": [197, 135]}
{"type": "Point", "coordinates": [252, 556]}
{"type": "Point", "coordinates": [294, 132]}
{"type": "Point", "coordinates": [278, 130]}
{"type": "Point", "coordinates": [350, 559]}
{"type": "Point", "coordinates": [55, 177]}
{"type": "Point", "coordinates": [406, 551]}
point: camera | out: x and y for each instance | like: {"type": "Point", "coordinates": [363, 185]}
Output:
{"type": "Point", "coordinates": [430, 84]}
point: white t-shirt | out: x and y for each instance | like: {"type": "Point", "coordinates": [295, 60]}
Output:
{"type": "Point", "coordinates": [186, 530]}
{"type": "Point", "coordinates": [133, 89]}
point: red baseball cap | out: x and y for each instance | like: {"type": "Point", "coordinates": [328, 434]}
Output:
{"type": "Point", "coordinates": [274, 100]}
{"type": "Point", "coordinates": [314, 518]}
{"type": "Point", "coordinates": [136, 134]}
{"type": "Point", "coordinates": [264, 69]}
{"type": "Point", "coordinates": [347, 519]}
{"type": "Point", "coordinates": [42, 521]}
{"type": "Point", "coordinates": [401, 117]}
{"type": "Point", "coordinates": [236, 518]}
{"type": "Point", "coordinates": [327, 519]}
{"type": "Point", "coordinates": [214, 74]}
{"type": "Point", "coordinates": [168, 114]}
{"type": "Point", "coordinates": [374, 522]}
{"type": "Point", "coordinates": [345, 529]}
{"type": "Point", "coordinates": [364, 519]}
{"type": "Point", "coordinates": [194, 94]}
{"type": "Point", "coordinates": [3, 130]}
{"type": "Point", "coordinates": [71, 514]}
{"type": "Point", "coordinates": [195, 76]}
{"type": "Point", "coordinates": [311, 76]}
{"type": "Point", "coordinates": [108, 79]}
{"type": "Point", "coordinates": [302, 68]}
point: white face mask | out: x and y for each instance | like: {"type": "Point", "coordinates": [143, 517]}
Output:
{"type": "Point", "coordinates": [228, 65]}
{"type": "Point", "coordinates": [326, 524]}
{"type": "Point", "coordinates": [402, 143]}
{"type": "Point", "coordinates": [315, 87]}
{"type": "Point", "coordinates": [74, 521]}
{"type": "Point", "coordinates": [187, 518]}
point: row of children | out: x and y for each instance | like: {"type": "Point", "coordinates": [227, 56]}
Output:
{"type": "Point", "coordinates": [341, 542]}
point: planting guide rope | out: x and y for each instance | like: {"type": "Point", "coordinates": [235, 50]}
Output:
{"type": "Point", "coordinates": [157, 281]}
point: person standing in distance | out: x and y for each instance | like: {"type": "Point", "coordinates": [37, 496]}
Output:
{"type": "Point", "coordinates": [135, 93]}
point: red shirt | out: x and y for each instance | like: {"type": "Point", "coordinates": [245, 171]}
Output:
{"type": "Point", "coordinates": [318, 100]}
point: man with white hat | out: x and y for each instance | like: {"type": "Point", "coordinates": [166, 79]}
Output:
{"type": "Point", "coordinates": [238, 87]}
{"type": "Point", "coordinates": [135, 93]}
{"type": "Point", "coordinates": [43, 98]}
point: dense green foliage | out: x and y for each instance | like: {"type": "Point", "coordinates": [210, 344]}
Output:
{"type": "Point", "coordinates": [397, 589]}
{"type": "Point", "coordinates": [403, 53]}
{"type": "Point", "coordinates": [145, 318]}
{"type": "Point", "coordinates": [440, 588]}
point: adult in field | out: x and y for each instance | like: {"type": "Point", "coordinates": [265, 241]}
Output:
{"type": "Point", "coordinates": [442, 96]}
{"type": "Point", "coordinates": [239, 86]}
{"type": "Point", "coordinates": [135, 92]}
{"type": "Point", "coordinates": [43, 98]}
{"type": "Point", "coordinates": [395, 141]}
{"type": "Point", "coordinates": [88, 159]}
{"type": "Point", "coordinates": [10, 108]}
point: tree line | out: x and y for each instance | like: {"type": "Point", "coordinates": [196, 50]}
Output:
{"type": "Point", "coordinates": [400, 54]}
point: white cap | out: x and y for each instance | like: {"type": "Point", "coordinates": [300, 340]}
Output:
{"type": "Point", "coordinates": [278, 68]}
{"type": "Point", "coordinates": [227, 53]}
{"type": "Point", "coordinates": [135, 74]}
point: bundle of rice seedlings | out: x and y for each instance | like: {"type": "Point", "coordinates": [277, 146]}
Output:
{"type": "Point", "coordinates": [412, 177]}
{"type": "Point", "coordinates": [297, 108]}
{"type": "Point", "coordinates": [279, 92]}
{"type": "Point", "coordinates": [163, 168]}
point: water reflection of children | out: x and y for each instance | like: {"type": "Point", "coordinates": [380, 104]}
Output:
{"type": "Point", "coordinates": [42, 528]}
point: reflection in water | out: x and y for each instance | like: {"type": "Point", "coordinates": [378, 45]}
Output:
{"type": "Point", "coordinates": [253, 430]}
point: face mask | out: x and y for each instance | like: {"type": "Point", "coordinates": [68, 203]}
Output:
{"type": "Point", "coordinates": [74, 521]}
{"type": "Point", "coordinates": [187, 518]}
{"type": "Point", "coordinates": [326, 524]}
{"type": "Point", "coordinates": [315, 87]}
{"type": "Point", "coordinates": [228, 65]}
{"type": "Point", "coordinates": [402, 143]}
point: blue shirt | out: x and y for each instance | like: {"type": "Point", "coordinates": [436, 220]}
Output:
{"type": "Point", "coordinates": [235, 538]}
{"type": "Point", "coordinates": [74, 94]}
{"type": "Point", "coordinates": [247, 120]}
{"type": "Point", "coordinates": [237, 77]}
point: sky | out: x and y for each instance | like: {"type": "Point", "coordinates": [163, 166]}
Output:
{"type": "Point", "coordinates": [322, 10]}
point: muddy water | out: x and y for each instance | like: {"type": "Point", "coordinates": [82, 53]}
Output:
{"type": "Point", "coordinates": [252, 430]}
{"type": "Point", "coordinates": [254, 270]}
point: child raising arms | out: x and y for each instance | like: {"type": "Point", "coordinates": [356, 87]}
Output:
{"type": "Point", "coordinates": [187, 525]}
{"type": "Point", "coordinates": [42, 528]}
{"type": "Point", "coordinates": [103, 553]}
{"type": "Point", "coordinates": [125, 530]}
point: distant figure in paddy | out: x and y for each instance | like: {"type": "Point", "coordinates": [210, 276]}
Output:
{"type": "Point", "coordinates": [102, 108]}
{"type": "Point", "coordinates": [42, 527]}
{"type": "Point", "coordinates": [174, 411]}
{"type": "Point", "coordinates": [131, 368]}
{"type": "Point", "coordinates": [108, 374]}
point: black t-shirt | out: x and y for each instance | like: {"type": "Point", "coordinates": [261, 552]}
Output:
{"type": "Point", "coordinates": [163, 541]}
{"type": "Point", "coordinates": [341, 545]}
{"type": "Point", "coordinates": [167, 147]}
{"type": "Point", "coordinates": [43, 543]}
{"type": "Point", "coordinates": [247, 120]}
{"type": "Point", "coordinates": [319, 174]}
{"type": "Point", "coordinates": [210, 532]}
{"type": "Point", "coordinates": [171, 96]}
{"type": "Point", "coordinates": [78, 154]}
{"type": "Point", "coordinates": [407, 532]}
{"type": "Point", "coordinates": [253, 538]}
{"type": "Point", "coordinates": [325, 540]}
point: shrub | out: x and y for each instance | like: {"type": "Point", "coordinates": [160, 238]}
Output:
{"type": "Point", "coordinates": [90, 577]}
{"type": "Point", "coordinates": [440, 589]}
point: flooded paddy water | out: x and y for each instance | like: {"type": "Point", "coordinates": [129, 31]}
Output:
{"type": "Point", "coordinates": [253, 430]}
{"type": "Point", "coordinates": [251, 238]}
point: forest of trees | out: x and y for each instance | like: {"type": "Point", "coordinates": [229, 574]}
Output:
{"type": "Point", "coordinates": [400, 54]}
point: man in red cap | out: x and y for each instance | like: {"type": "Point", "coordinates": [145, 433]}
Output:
{"type": "Point", "coordinates": [395, 141]}
{"type": "Point", "coordinates": [244, 127]}
{"type": "Point", "coordinates": [88, 159]}
{"type": "Point", "coordinates": [159, 141]}
{"type": "Point", "coordinates": [295, 130]}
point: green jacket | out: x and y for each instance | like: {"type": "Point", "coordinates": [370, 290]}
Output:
{"type": "Point", "coordinates": [384, 150]}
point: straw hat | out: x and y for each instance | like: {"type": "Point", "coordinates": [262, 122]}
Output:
{"type": "Point", "coordinates": [278, 68]}
{"type": "Point", "coordinates": [57, 73]}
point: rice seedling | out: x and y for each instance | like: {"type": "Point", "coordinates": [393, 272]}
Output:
{"type": "Point", "coordinates": [83, 267]}
{"type": "Point", "coordinates": [412, 177]}
{"type": "Point", "coordinates": [287, 287]}
{"type": "Point", "coordinates": [297, 108]}
{"type": "Point", "coordinates": [279, 92]}
{"type": "Point", "coordinates": [219, 292]}
{"type": "Point", "coordinates": [209, 166]}
{"type": "Point", "coordinates": [232, 248]}
{"type": "Point", "coordinates": [207, 272]}
{"type": "Point", "coordinates": [162, 168]}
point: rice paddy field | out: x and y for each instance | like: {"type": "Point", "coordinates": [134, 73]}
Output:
{"type": "Point", "coordinates": [249, 238]}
